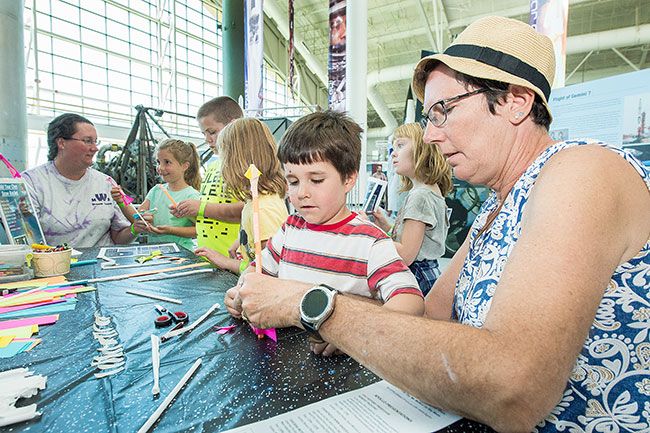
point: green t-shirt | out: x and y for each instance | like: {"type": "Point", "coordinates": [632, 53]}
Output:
{"type": "Point", "coordinates": [211, 233]}
{"type": "Point", "coordinates": [158, 199]}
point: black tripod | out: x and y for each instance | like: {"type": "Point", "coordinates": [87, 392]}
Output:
{"type": "Point", "coordinates": [134, 168]}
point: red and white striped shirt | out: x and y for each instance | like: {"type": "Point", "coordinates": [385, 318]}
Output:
{"type": "Point", "coordinates": [353, 256]}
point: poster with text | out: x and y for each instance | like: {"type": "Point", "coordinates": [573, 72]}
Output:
{"type": "Point", "coordinates": [20, 225]}
{"type": "Point", "coordinates": [612, 109]}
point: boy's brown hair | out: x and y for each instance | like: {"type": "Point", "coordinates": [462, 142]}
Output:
{"type": "Point", "coordinates": [223, 109]}
{"type": "Point", "coordinates": [327, 136]}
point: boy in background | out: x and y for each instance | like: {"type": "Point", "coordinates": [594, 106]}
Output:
{"type": "Point", "coordinates": [217, 212]}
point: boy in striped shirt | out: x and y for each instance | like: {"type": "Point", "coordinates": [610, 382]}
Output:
{"type": "Point", "coordinates": [324, 242]}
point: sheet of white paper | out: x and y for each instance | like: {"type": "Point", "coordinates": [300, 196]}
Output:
{"type": "Point", "coordinates": [377, 408]}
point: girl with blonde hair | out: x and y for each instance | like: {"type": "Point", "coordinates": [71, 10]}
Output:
{"type": "Point", "coordinates": [178, 165]}
{"type": "Point", "coordinates": [241, 143]}
{"type": "Point", "coordinates": [422, 223]}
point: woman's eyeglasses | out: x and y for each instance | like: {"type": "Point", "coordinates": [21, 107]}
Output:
{"type": "Point", "coordinates": [437, 113]}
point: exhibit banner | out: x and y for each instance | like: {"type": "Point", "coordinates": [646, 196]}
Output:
{"type": "Point", "coordinates": [336, 60]}
{"type": "Point", "coordinates": [550, 17]}
{"type": "Point", "coordinates": [17, 216]}
{"type": "Point", "coordinates": [612, 109]}
{"type": "Point", "coordinates": [254, 55]}
{"type": "Point", "coordinates": [292, 49]}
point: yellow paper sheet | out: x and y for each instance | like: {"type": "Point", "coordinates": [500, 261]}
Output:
{"type": "Point", "coordinates": [5, 340]}
{"type": "Point", "coordinates": [41, 296]}
{"type": "Point", "coordinates": [37, 282]}
{"type": "Point", "coordinates": [20, 332]}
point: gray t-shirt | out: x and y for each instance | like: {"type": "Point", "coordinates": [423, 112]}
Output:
{"type": "Point", "coordinates": [422, 204]}
{"type": "Point", "coordinates": [80, 212]}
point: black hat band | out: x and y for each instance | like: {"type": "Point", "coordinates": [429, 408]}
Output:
{"type": "Point", "coordinates": [504, 62]}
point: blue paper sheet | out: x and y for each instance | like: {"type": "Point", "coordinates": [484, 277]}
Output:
{"type": "Point", "coordinates": [14, 348]}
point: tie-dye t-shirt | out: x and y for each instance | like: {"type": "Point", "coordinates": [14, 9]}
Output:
{"type": "Point", "coordinates": [81, 212]}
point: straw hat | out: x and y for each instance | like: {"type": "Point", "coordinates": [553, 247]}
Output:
{"type": "Point", "coordinates": [501, 49]}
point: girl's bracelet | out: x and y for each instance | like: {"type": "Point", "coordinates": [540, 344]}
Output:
{"type": "Point", "coordinates": [121, 204]}
{"type": "Point", "coordinates": [133, 232]}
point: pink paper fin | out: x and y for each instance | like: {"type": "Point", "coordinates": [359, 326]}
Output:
{"type": "Point", "coordinates": [265, 332]}
{"type": "Point", "coordinates": [225, 329]}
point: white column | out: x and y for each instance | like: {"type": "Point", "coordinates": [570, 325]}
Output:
{"type": "Point", "coordinates": [13, 114]}
{"type": "Point", "coordinates": [356, 71]}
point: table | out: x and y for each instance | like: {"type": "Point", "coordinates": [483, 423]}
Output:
{"type": "Point", "coordinates": [241, 380]}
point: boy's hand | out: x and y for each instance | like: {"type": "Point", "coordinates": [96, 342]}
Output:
{"type": "Point", "coordinates": [116, 194]}
{"type": "Point", "coordinates": [185, 209]}
{"type": "Point", "coordinates": [233, 302]}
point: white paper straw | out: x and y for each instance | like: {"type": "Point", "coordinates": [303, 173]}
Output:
{"type": "Point", "coordinates": [154, 416]}
{"type": "Point", "coordinates": [153, 296]}
{"type": "Point", "coordinates": [196, 323]}
{"type": "Point", "coordinates": [155, 363]}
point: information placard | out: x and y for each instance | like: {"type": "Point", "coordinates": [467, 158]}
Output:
{"type": "Point", "coordinates": [19, 222]}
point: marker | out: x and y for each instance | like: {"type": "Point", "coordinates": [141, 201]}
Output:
{"type": "Point", "coordinates": [83, 263]}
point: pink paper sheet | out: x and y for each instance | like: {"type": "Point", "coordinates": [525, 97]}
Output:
{"type": "Point", "coordinates": [42, 320]}
{"type": "Point", "coordinates": [257, 331]}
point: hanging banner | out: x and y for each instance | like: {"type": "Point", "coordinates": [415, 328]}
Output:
{"type": "Point", "coordinates": [550, 17]}
{"type": "Point", "coordinates": [292, 70]}
{"type": "Point", "coordinates": [254, 55]}
{"type": "Point", "coordinates": [336, 60]}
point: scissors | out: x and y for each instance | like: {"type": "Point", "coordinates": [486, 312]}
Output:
{"type": "Point", "coordinates": [167, 317]}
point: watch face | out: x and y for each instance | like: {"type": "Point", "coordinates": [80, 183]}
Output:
{"type": "Point", "coordinates": [315, 303]}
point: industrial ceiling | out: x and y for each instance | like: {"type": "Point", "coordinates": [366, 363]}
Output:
{"type": "Point", "coordinates": [605, 37]}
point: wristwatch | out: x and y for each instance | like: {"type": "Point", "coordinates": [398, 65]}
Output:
{"type": "Point", "coordinates": [316, 307]}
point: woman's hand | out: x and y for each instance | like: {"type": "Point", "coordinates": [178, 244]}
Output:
{"type": "Point", "coordinates": [233, 302]}
{"type": "Point", "coordinates": [116, 193]}
{"type": "Point", "coordinates": [323, 348]}
{"type": "Point", "coordinates": [269, 302]}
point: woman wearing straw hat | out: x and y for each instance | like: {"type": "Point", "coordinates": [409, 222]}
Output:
{"type": "Point", "coordinates": [541, 320]}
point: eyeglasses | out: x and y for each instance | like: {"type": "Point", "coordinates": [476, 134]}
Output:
{"type": "Point", "coordinates": [437, 113]}
{"type": "Point", "coordinates": [87, 141]}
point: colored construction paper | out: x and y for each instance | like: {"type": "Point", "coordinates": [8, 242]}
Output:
{"type": "Point", "coordinates": [265, 332]}
{"type": "Point", "coordinates": [30, 284]}
{"type": "Point", "coordinates": [42, 320]}
{"type": "Point", "coordinates": [20, 332]}
{"type": "Point", "coordinates": [5, 340]}
{"type": "Point", "coordinates": [66, 305]}
{"type": "Point", "coordinates": [225, 329]}
{"type": "Point", "coordinates": [25, 306]}
{"type": "Point", "coordinates": [32, 341]}
{"type": "Point", "coordinates": [40, 296]}
{"type": "Point", "coordinates": [14, 348]}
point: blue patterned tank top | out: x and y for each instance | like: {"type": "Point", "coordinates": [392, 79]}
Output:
{"type": "Point", "coordinates": [609, 388]}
